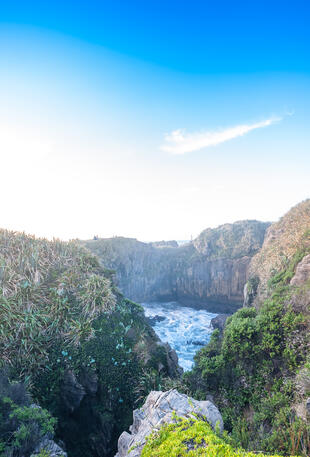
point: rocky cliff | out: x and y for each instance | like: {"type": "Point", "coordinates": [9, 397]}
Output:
{"type": "Point", "coordinates": [211, 270]}
{"type": "Point", "coordinates": [284, 240]}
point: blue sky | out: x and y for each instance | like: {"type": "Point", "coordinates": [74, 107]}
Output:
{"type": "Point", "coordinates": [152, 119]}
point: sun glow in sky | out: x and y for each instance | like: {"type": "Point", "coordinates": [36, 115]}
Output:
{"type": "Point", "coordinates": [152, 119]}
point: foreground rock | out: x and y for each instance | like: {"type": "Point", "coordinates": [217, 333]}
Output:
{"type": "Point", "coordinates": [159, 409]}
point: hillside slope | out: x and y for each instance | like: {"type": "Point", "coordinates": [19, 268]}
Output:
{"type": "Point", "coordinates": [259, 370]}
{"type": "Point", "coordinates": [85, 352]}
{"type": "Point", "coordinates": [283, 240]}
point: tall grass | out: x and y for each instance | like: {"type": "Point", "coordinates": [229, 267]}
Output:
{"type": "Point", "coordinates": [48, 290]}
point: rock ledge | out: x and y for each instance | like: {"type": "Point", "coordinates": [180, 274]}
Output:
{"type": "Point", "coordinates": [158, 410]}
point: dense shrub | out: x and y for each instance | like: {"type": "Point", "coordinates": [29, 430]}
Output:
{"type": "Point", "coordinates": [22, 425]}
{"type": "Point", "coordinates": [59, 314]}
{"type": "Point", "coordinates": [251, 371]}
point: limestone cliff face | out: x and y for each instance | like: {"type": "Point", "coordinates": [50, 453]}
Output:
{"type": "Point", "coordinates": [212, 270]}
{"type": "Point", "coordinates": [283, 240]}
{"type": "Point", "coordinates": [282, 266]}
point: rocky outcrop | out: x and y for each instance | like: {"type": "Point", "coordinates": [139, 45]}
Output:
{"type": "Point", "coordinates": [50, 447]}
{"type": "Point", "coordinates": [164, 244]}
{"type": "Point", "coordinates": [302, 273]}
{"type": "Point", "coordinates": [233, 241]}
{"type": "Point", "coordinates": [211, 270]}
{"type": "Point", "coordinates": [300, 286]}
{"type": "Point", "coordinates": [284, 240]}
{"type": "Point", "coordinates": [219, 322]}
{"type": "Point", "coordinates": [161, 355]}
{"type": "Point", "coordinates": [159, 409]}
{"type": "Point", "coordinates": [72, 391]}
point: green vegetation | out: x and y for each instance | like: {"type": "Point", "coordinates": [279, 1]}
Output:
{"type": "Point", "coordinates": [22, 425]}
{"type": "Point", "coordinates": [62, 319]}
{"type": "Point", "coordinates": [191, 438]}
{"type": "Point", "coordinates": [243, 238]}
{"type": "Point", "coordinates": [285, 238]}
{"type": "Point", "coordinates": [71, 343]}
{"type": "Point", "coordinates": [50, 291]}
{"type": "Point", "coordinates": [44, 453]}
{"type": "Point", "coordinates": [252, 369]}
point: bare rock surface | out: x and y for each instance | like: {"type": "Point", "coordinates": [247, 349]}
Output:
{"type": "Point", "coordinates": [72, 391]}
{"type": "Point", "coordinates": [282, 240]}
{"type": "Point", "coordinates": [159, 409]}
{"type": "Point", "coordinates": [50, 447]}
{"type": "Point", "coordinates": [302, 273]}
{"type": "Point", "coordinates": [219, 321]}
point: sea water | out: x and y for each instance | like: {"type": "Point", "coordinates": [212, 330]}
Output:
{"type": "Point", "coordinates": [185, 329]}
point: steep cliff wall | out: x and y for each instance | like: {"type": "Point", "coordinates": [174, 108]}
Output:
{"type": "Point", "coordinates": [284, 240]}
{"type": "Point", "coordinates": [212, 270]}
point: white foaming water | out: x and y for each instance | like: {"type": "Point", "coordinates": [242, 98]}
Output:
{"type": "Point", "coordinates": [185, 329]}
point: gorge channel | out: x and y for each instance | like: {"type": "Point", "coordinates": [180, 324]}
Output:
{"type": "Point", "coordinates": [186, 329]}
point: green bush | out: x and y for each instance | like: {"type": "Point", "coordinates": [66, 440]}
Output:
{"type": "Point", "coordinates": [191, 438]}
{"type": "Point", "coordinates": [250, 371]}
{"type": "Point", "coordinates": [60, 313]}
{"type": "Point", "coordinates": [22, 425]}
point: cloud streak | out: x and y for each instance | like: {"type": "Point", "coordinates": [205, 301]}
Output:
{"type": "Point", "coordinates": [180, 142]}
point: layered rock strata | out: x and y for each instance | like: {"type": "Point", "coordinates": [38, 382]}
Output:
{"type": "Point", "coordinates": [210, 271]}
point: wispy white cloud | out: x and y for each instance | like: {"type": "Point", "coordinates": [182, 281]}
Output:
{"type": "Point", "coordinates": [180, 142]}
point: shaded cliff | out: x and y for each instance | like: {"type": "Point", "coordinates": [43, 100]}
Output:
{"type": "Point", "coordinates": [210, 271]}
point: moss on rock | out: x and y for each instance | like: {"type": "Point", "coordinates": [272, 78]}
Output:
{"type": "Point", "coordinates": [191, 438]}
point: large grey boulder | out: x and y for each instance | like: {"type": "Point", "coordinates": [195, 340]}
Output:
{"type": "Point", "coordinates": [159, 409]}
